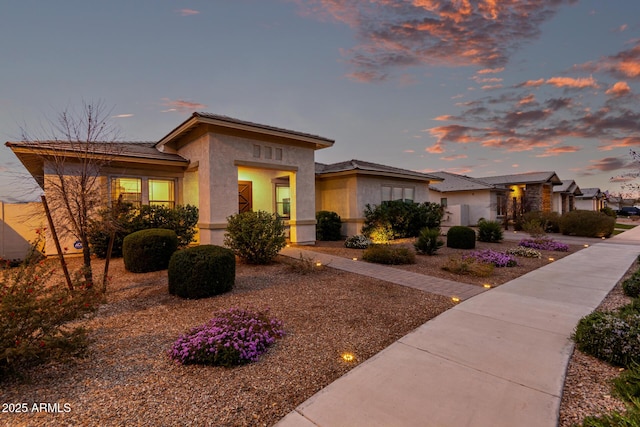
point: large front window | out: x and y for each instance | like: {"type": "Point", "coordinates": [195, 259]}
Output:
{"type": "Point", "coordinates": [161, 193]}
{"type": "Point", "coordinates": [147, 191]}
{"type": "Point", "coordinates": [397, 193]}
{"type": "Point", "coordinates": [127, 190]}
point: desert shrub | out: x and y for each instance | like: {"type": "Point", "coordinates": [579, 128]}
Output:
{"type": "Point", "coordinates": [148, 250]}
{"type": "Point", "coordinates": [468, 266]}
{"type": "Point", "coordinates": [428, 241]}
{"type": "Point", "coordinates": [627, 385]}
{"type": "Point", "coordinates": [201, 271]}
{"type": "Point", "coordinates": [489, 231]}
{"type": "Point", "coordinates": [534, 228]}
{"type": "Point", "coordinates": [610, 337]}
{"type": "Point", "coordinates": [303, 265]}
{"type": "Point", "coordinates": [34, 313]}
{"type": "Point", "coordinates": [404, 219]}
{"type": "Point", "coordinates": [389, 254]}
{"type": "Point", "coordinates": [488, 256]}
{"type": "Point", "coordinates": [124, 219]}
{"type": "Point", "coordinates": [328, 225]}
{"type": "Point", "coordinates": [381, 234]}
{"type": "Point", "coordinates": [521, 251]}
{"type": "Point", "coordinates": [256, 237]}
{"type": "Point", "coordinates": [357, 242]}
{"type": "Point", "coordinates": [544, 244]}
{"type": "Point", "coordinates": [460, 237]}
{"type": "Point", "coordinates": [631, 418]}
{"type": "Point", "coordinates": [631, 286]}
{"type": "Point", "coordinates": [549, 222]}
{"type": "Point", "coordinates": [609, 212]}
{"type": "Point", "coordinates": [233, 337]}
{"type": "Point", "coordinates": [587, 224]}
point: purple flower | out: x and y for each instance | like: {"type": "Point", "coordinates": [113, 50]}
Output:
{"type": "Point", "coordinates": [489, 256]}
{"type": "Point", "coordinates": [544, 244]}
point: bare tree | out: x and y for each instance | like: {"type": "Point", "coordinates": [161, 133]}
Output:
{"type": "Point", "coordinates": [75, 150]}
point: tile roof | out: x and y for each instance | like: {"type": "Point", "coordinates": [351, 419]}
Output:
{"type": "Point", "coordinates": [568, 186]}
{"type": "Point", "coordinates": [455, 182]}
{"type": "Point", "coordinates": [591, 192]}
{"type": "Point", "coordinates": [360, 165]}
{"type": "Point", "coordinates": [523, 178]}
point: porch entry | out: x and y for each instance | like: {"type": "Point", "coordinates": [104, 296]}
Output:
{"type": "Point", "coordinates": [245, 196]}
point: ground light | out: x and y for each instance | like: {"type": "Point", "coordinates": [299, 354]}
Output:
{"type": "Point", "coordinates": [355, 259]}
{"type": "Point", "coordinates": [487, 286]}
{"type": "Point", "coordinates": [348, 357]}
{"type": "Point", "coordinates": [551, 259]}
{"type": "Point", "coordinates": [318, 264]}
{"type": "Point", "coordinates": [586, 246]}
{"type": "Point", "coordinates": [455, 299]}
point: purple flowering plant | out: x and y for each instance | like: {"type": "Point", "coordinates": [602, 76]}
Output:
{"type": "Point", "coordinates": [544, 244]}
{"type": "Point", "coordinates": [489, 256]}
{"type": "Point", "coordinates": [233, 337]}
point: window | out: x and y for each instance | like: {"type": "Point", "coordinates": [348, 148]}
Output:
{"type": "Point", "coordinates": [397, 193]}
{"type": "Point", "coordinates": [501, 208]}
{"type": "Point", "coordinates": [267, 152]}
{"type": "Point", "coordinates": [256, 151]}
{"type": "Point", "coordinates": [443, 202]}
{"type": "Point", "coordinates": [161, 193]}
{"type": "Point", "coordinates": [127, 190]}
{"type": "Point", "coordinates": [283, 200]}
{"type": "Point", "coordinates": [278, 153]}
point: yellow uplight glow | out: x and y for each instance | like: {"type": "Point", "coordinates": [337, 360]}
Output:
{"type": "Point", "coordinates": [318, 264]}
{"type": "Point", "coordinates": [551, 259]}
{"type": "Point", "coordinates": [586, 246]}
{"type": "Point", "coordinates": [487, 286]}
{"type": "Point", "coordinates": [455, 299]}
{"type": "Point", "coordinates": [348, 357]}
{"type": "Point", "coordinates": [355, 259]}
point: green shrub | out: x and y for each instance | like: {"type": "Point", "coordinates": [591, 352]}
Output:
{"type": "Point", "coordinates": [148, 250]}
{"type": "Point", "coordinates": [631, 286]}
{"type": "Point", "coordinates": [631, 418]}
{"type": "Point", "coordinates": [201, 271]}
{"type": "Point", "coordinates": [429, 241]}
{"type": "Point", "coordinates": [521, 251]}
{"type": "Point", "coordinates": [534, 228]}
{"type": "Point", "coordinates": [549, 222]}
{"type": "Point", "coordinates": [357, 242]}
{"type": "Point", "coordinates": [126, 220]}
{"type": "Point", "coordinates": [328, 226]}
{"type": "Point", "coordinates": [389, 254]}
{"type": "Point", "coordinates": [610, 337]}
{"type": "Point", "coordinates": [404, 219]}
{"type": "Point", "coordinates": [490, 231]}
{"type": "Point", "coordinates": [460, 237]}
{"type": "Point", "coordinates": [256, 237]}
{"type": "Point", "coordinates": [468, 266]}
{"type": "Point", "coordinates": [587, 224]}
{"type": "Point", "coordinates": [381, 234]}
{"type": "Point", "coordinates": [35, 311]}
{"type": "Point", "coordinates": [608, 211]}
{"type": "Point", "coordinates": [627, 385]}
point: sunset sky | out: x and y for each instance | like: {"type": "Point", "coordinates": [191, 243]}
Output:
{"type": "Point", "coordinates": [484, 87]}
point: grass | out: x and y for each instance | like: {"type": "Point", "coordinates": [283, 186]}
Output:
{"type": "Point", "coordinates": [625, 226]}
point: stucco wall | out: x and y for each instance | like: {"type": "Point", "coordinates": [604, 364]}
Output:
{"type": "Point", "coordinates": [481, 204]}
{"type": "Point", "coordinates": [19, 223]}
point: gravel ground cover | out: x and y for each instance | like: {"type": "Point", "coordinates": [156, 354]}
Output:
{"type": "Point", "coordinates": [127, 378]}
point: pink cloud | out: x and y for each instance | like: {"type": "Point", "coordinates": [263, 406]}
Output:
{"type": "Point", "coordinates": [619, 89]}
{"type": "Point", "coordinates": [491, 70]}
{"type": "Point", "coordinates": [181, 106]}
{"type": "Point", "coordinates": [572, 82]}
{"type": "Point", "coordinates": [188, 12]}
{"type": "Point", "coordinates": [556, 151]}
{"type": "Point", "coordinates": [625, 64]}
{"type": "Point", "coordinates": [435, 149]}
{"type": "Point", "coordinates": [454, 157]}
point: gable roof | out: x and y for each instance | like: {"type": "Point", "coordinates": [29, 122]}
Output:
{"type": "Point", "coordinates": [225, 124]}
{"type": "Point", "coordinates": [591, 193]}
{"type": "Point", "coordinates": [367, 168]}
{"type": "Point", "coordinates": [568, 186]}
{"type": "Point", "coordinates": [455, 182]}
{"type": "Point", "coordinates": [32, 154]}
{"type": "Point", "coordinates": [524, 178]}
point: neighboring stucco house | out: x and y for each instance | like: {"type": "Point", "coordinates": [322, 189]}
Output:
{"type": "Point", "coordinates": [466, 200]}
{"type": "Point", "coordinates": [220, 164]}
{"type": "Point", "coordinates": [564, 196]}
{"type": "Point", "coordinates": [347, 187]}
{"type": "Point", "coordinates": [530, 191]}
{"type": "Point", "coordinates": [592, 199]}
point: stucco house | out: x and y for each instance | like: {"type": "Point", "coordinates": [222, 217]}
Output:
{"type": "Point", "coordinates": [347, 187]}
{"type": "Point", "coordinates": [531, 191]}
{"type": "Point", "coordinates": [564, 196]}
{"type": "Point", "coordinates": [592, 199]}
{"type": "Point", "coordinates": [466, 200]}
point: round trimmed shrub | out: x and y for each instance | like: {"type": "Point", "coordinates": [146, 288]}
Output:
{"type": "Point", "coordinates": [631, 286]}
{"type": "Point", "coordinates": [389, 254]}
{"type": "Point", "coordinates": [328, 225]}
{"type": "Point", "coordinates": [461, 237]}
{"type": "Point", "coordinates": [587, 224]}
{"type": "Point", "coordinates": [202, 271]}
{"type": "Point", "coordinates": [149, 250]}
{"type": "Point", "coordinates": [256, 237]}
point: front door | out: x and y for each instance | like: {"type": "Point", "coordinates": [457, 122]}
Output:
{"type": "Point", "coordinates": [245, 196]}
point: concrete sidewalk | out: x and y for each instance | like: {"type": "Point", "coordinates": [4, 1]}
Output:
{"type": "Point", "coordinates": [497, 359]}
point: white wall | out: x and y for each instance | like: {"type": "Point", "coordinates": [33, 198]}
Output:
{"type": "Point", "coordinates": [481, 204]}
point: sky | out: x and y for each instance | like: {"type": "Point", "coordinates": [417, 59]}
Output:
{"type": "Point", "coordinates": [484, 87]}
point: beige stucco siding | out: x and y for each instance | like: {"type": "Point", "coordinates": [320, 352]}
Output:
{"type": "Point", "coordinates": [19, 226]}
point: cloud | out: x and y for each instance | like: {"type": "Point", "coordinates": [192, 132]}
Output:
{"type": "Point", "coordinates": [396, 34]}
{"type": "Point", "coordinates": [122, 116]}
{"type": "Point", "coordinates": [187, 12]}
{"type": "Point", "coordinates": [624, 64]}
{"type": "Point", "coordinates": [564, 82]}
{"type": "Point", "coordinates": [491, 70]}
{"type": "Point", "coordinates": [631, 141]}
{"type": "Point", "coordinates": [435, 149]}
{"type": "Point", "coordinates": [454, 157]}
{"type": "Point", "coordinates": [556, 151]}
{"type": "Point", "coordinates": [608, 164]}
{"type": "Point", "coordinates": [181, 106]}
{"type": "Point", "coordinates": [619, 89]}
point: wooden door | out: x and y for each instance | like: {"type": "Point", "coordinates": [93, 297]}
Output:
{"type": "Point", "coordinates": [245, 196]}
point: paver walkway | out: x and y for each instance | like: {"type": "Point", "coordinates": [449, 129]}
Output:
{"type": "Point", "coordinates": [497, 359]}
{"type": "Point", "coordinates": [430, 284]}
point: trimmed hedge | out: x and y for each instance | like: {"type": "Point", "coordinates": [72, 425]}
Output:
{"type": "Point", "coordinates": [461, 237]}
{"type": "Point", "coordinates": [149, 250]}
{"type": "Point", "coordinates": [202, 271]}
{"type": "Point", "coordinates": [587, 224]}
{"type": "Point", "coordinates": [389, 254]}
